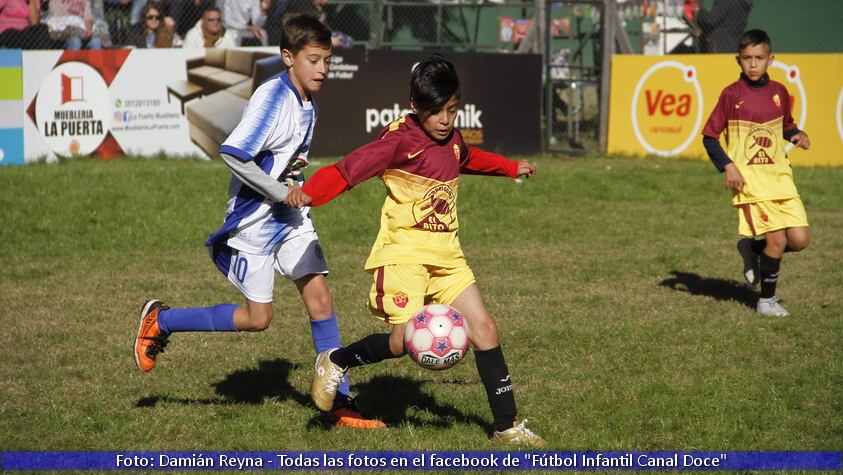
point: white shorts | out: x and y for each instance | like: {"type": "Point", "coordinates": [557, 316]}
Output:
{"type": "Point", "coordinates": [254, 274]}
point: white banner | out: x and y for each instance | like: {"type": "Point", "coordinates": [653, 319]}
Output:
{"type": "Point", "coordinates": [107, 103]}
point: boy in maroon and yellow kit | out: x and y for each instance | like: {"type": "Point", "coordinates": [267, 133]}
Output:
{"type": "Point", "coordinates": [416, 258]}
{"type": "Point", "coordinates": [755, 112]}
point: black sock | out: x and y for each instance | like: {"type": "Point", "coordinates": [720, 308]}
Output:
{"type": "Point", "coordinates": [369, 350]}
{"type": "Point", "coordinates": [495, 377]}
{"type": "Point", "coordinates": [758, 245]}
{"type": "Point", "coordinates": [769, 275]}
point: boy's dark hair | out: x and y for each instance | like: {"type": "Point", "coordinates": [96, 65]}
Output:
{"type": "Point", "coordinates": [433, 82]}
{"type": "Point", "coordinates": [300, 30]}
{"type": "Point", "coordinates": [755, 37]}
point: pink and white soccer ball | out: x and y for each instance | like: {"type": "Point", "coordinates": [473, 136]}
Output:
{"type": "Point", "coordinates": [436, 337]}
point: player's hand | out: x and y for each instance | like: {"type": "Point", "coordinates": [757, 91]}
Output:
{"type": "Point", "coordinates": [734, 179]}
{"type": "Point", "coordinates": [297, 198]}
{"type": "Point", "coordinates": [526, 169]}
{"type": "Point", "coordinates": [801, 140]}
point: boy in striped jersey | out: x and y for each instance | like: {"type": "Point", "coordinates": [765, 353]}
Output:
{"type": "Point", "coordinates": [262, 233]}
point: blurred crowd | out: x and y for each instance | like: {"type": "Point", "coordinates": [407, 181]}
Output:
{"type": "Point", "coordinates": [96, 24]}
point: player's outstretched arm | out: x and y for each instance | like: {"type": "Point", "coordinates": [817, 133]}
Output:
{"type": "Point", "coordinates": [325, 185]}
{"type": "Point", "coordinates": [481, 162]}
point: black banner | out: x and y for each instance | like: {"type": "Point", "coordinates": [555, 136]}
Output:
{"type": "Point", "coordinates": [500, 106]}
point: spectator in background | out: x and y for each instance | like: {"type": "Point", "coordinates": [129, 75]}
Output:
{"type": "Point", "coordinates": [20, 25]}
{"type": "Point", "coordinates": [316, 8]}
{"type": "Point", "coordinates": [209, 32]}
{"type": "Point", "coordinates": [187, 13]}
{"type": "Point", "coordinates": [720, 28]}
{"type": "Point", "coordinates": [246, 19]}
{"type": "Point", "coordinates": [163, 6]}
{"type": "Point", "coordinates": [71, 22]}
{"type": "Point", "coordinates": [100, 29]}
{"type": "Point", "coordinates": [156, 31]}
{"type": "Point", "coordinates": [117, 14]}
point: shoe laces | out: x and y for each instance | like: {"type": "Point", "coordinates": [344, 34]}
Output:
{"type": "Point", "coordinates": [335, 374]}
{"type": "Point", "coordinates": [157, 345]}
{"type": "Point", "coordinates": [524, 432]}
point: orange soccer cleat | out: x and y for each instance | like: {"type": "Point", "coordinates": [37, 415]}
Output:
{"type": "Point", "coordinates": [150, 340]}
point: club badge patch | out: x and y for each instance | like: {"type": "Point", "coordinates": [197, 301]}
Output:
{"type": "Point", "coordinates": [760, 147]}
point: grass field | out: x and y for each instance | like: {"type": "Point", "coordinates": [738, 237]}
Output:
{"type": "Point", "coordinates": [615, 284]}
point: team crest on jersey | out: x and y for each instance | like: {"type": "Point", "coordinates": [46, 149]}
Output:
{"type": "Point", "coordinates": [760, 146]}
{"type": "Point", "coordinates": [764, 217]}
{"type": "Point", "coordinates": [436, 211]}
{"type": "Point", "coordinates": [400, 299]}
{"type": "Point", "coordinates": [777, 100]}
{"type": "Point", "coordinates": [457, 152]}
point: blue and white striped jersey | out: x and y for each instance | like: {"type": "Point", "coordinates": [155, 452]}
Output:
{"type": "Point", "coordinates": [276, 131]}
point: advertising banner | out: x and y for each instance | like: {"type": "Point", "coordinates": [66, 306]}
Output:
{"type": "Point", "coordinates": [107, 102]}
{"type": "Point", "coordinates": [11, 107]}
{"type": "Point", "coordinates": [500, 106]}
{"type": "Point", "coordinates": [659, 105]}
{"type": "Point", "coordinates": [186, 102]}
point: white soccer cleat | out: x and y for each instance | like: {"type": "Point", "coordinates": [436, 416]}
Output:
{"type": "Point", "coordinates": [771, 307]}
{"type": "Point", "coordinates": [751, 261]}
{"type": "Point", "coordinates": [519, 434]}
{"type": "Point", "coordinates": [326, 380]}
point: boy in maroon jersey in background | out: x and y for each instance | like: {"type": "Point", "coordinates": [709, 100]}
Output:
{"type": "Point", "coordinates": [755, 113]}
{"type": "Point", "coordinates": [416, 258]}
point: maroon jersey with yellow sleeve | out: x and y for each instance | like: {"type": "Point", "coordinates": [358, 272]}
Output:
{"type": "Point", "coordinates": [755, 120]}
{"type": "Point", "coordinates": [419, 221]}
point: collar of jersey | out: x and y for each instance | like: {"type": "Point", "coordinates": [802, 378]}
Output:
{"type": "Point", "coordinates": [761, 82]}
{"type": "Point", "coordinates": [285, 78]}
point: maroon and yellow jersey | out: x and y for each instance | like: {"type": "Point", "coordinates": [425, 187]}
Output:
{"type": "Point", "coordinates": [419, 221]}
{"type": "Point", "coordinates": [755, 120]}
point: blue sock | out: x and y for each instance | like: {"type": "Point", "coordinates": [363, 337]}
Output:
{"type": "Point", "coordinates": [326, 335]}
{"type": "Point", "coordinates": [219, 318]}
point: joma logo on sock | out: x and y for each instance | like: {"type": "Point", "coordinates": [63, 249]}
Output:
{"type": "Point", "coordinates": [504, 389]}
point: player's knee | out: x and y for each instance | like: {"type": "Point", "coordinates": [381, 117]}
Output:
{"type": "Point", "coordinates": [484, 335]}
{"type": "Point", "coordinates": [799, 243]}
{"type": "Point", "coordinates": [258, 322]}
{"type": "Point", "coordinates": [320, 306]}
{"type": "Point", "coordinates": [775, 245]}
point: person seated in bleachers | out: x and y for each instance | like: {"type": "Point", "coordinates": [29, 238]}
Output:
{"type": "Point", "coordinates": [246, 19]}
{"type": "Point", "coordinates": [209, 32]}
{"type": "Point", "coordinates": [188, 12]}
{"type": "Point", "coordinates": [156, 31]}
{"type": "Point", "coordinates": [71, 24]}
{"type": "Point", "coordinates": [20, 25]}
{"type": "Point", "coordinates": [101, 28]}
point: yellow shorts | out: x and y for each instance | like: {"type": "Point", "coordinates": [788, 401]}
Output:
{"type": "Point", "coordinates": [400, 290]}
{"type": "Point", "coordinates": [762, 217]}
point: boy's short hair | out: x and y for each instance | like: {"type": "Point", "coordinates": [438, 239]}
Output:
{"type": "Point", "coordinates": [300, 30]}
{"type": "Point", "coordinates": [433, 82]}
{"type": "Point", "coordinates": [755, 37]}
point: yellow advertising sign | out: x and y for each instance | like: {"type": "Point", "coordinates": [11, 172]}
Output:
{"type": "Point", "coordinates": [659, 105]}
